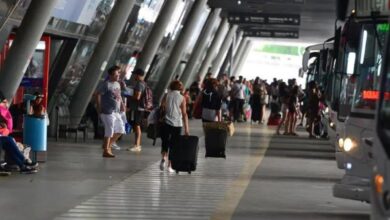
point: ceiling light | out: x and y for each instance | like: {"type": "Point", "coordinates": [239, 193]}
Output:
{"type": "Point", "coordinates": [239, 2]}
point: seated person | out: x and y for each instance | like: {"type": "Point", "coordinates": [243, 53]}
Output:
{"type": "Point", "coordinates": [37, 108]}
{"type": "Point", "coordinates": [8, 144]}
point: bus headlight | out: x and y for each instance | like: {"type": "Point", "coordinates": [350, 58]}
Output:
{"type": "Point", "coordinates": [379, 181]}
{"type": "Point", "coordinates": [348, 144]}
{"type": "Point", "coordinates": [341, 143]}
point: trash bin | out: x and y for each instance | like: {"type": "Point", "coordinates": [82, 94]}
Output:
{"type": "Point", "coordinates": [35, 133]}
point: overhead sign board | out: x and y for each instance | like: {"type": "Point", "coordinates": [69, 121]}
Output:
{"type": "Point", "coordinates": [275, 19]}
{"type": "Point", "coordinates": [290, 34]}
{"type": "Point", "coordinates": [368, 7]}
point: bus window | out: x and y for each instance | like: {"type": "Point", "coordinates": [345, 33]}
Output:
{"type": "Point", "coordinates": [346, 84]}
{"type": "Point", "coordinates": [369, 63]}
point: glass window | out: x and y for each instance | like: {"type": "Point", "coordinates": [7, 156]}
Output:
{"type": "Point", "coordinates": [344, 81]}
{"type": "Point", "coordinates": [86, 17]}
{"type": "Point", "coordinates": [72, 75]}
{"type": "Point", "coordinates": [140, 22]}
{"type": "Point", "coordinates": [368, 68]}
{"type": "Point", "coordinates": [155, 69]}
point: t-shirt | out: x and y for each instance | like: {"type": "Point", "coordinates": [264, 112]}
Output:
{"type": "Point", "coordinates": [173, 115]}
{"type": "Point", "coordinates": [238, 91]}
{"type": "Point", "coordinates": [138, 87]}
{"type": "Point", "coordinates": [110, 97]}
{"type": "Point", "coordinates": [211, 102]}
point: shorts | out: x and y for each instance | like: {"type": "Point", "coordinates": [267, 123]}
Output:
{"type": "Point", "coordinates": [113, 124]}
{"type": "Point", "coordinates": [135, 117]}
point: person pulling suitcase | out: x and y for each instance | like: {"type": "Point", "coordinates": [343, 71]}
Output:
{"type": "Point", "coordinates": [174, 119]}
{"type": "Point", "coordinates": [215, 130]}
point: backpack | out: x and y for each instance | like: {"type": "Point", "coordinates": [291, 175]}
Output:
{"type": "Point", "coordinates": [147, 99]}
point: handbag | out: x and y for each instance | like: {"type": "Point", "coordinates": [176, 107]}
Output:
{"type": "Point", "coordinates": [226, 126]}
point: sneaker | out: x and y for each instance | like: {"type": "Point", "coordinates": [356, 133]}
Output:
{"type": "Point", "coordinates": [31, 164]}
{"type": "Point", "coordinates": [135, 149]}
{"type": "Point", "coordinates": [162, 164]}
{"type": "Point", "coordinates": [170, 170]}
{"type": "Point", "coordinates": [28, 170]}
{"type": "Point", "coordinates": [115, 146]}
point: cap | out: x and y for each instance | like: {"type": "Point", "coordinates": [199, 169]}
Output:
{"type": "Point", "coordinates": [139, 72]}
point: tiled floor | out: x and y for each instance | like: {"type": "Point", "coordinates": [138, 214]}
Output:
{"type": "Point", "coordinates": [263, 177]}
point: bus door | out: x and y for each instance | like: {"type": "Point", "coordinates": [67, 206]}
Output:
{"type": "Point", "coordinates": [380, 201]}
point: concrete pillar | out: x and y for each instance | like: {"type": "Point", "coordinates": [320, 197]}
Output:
{"type": "Point", "coordinates": [223, 50]}
{"type": "Point", "coordinates": [215, 45]}
{"type": "Point", "coordinates": [98, 62]}
{"type": "Point", "coordinates": [238, 54]}
{"type": "Point", "coordinates": [227, 62]}
{"type": "Point", "coordinates": [237, 41]}
{"type": "Point", "coordinates": [233, 50]}
{"type": "Point", "coordinates": [23, 47]}
{"type": "Point", "coordinates": [200, 47]}
{"type": "Point", "coordinates": [179, 48]}
{"type": "Point", "coordinates": [157, 34]}
{"type": "Point", "coordinates": [244, 56]}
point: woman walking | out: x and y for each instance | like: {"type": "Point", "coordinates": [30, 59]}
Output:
{"type": "Point", "coordinates": [174, 106]}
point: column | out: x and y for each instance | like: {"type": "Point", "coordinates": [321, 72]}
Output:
{"type": "Point", "coordinates": [23, 47]}
{"type": "Point", "coordinates": [244, 56]}
{"type": "Point", "coordinates": [98, 62]}
{"type": "Point", "coordinates": [200, 46]}
{"type": "Point", "coordinates": [157, 34]}
{"type": "Point", "coordinates": [215, 44]}
{"type": "Point", "coordinates": [223, 50]}
{"type": "Point", "coordinates": [237, 41]}
{"type": "Point", "coordinates": [227, 62]}
{"type": "Point", "coordinates": [238, 54]}
{"type": "Point", "coordinates": [179, 48]}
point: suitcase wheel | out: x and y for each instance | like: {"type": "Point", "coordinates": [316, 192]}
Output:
{"type": "Point", "coordinates": [177, 172]}
{"type": "Point", "coordinates": [189, 172]}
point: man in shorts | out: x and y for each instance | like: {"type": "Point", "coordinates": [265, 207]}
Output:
{"type": "Point", "coordinates": [109, 104]}
{"type": "Point", "coordinates": [137, 113]}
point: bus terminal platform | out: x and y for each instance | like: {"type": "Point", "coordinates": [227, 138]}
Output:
{"type": "Point", "coordinates": [264, 176]}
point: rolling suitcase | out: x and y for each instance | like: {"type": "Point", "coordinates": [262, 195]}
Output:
{"type": "Point", "coordinates": [184, 154]}
{"type": "Point", "coordinates": [215, 140]}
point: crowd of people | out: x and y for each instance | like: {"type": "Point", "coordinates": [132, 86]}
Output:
{"type": "Point", "coordinates": [211, 100]}
{"type": "Point", "coordinates": [242, 100]}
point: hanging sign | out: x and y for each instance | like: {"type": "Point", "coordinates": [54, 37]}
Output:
{"type": "Point", "coordinates": [276, 19]}
{"type": "Point", "coordinates": [290, 34]}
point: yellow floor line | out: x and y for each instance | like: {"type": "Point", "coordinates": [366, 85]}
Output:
{"type": "Point", "coordinates": [234, 193]}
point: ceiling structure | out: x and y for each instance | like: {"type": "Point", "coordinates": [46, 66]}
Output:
{"type": "Point", "coordinates": [278, 18]}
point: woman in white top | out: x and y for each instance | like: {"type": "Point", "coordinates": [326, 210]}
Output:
{"type": "Point", "coordinates": [174, 106]}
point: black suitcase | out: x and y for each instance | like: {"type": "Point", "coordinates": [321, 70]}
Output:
{"type": "Point", "coordinates": [215, 141]}
{"type": "Point", "coordinates": [184, 154]}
